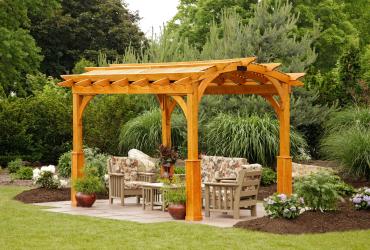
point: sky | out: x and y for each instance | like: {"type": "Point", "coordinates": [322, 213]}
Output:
{"type": "Point", "coordinates": [154, 13]}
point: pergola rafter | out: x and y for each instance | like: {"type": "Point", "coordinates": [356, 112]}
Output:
{"type": "Point", "coordinates": [184, 84]}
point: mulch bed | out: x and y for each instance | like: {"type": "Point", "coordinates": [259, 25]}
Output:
{"type": "Point", "coordinates": [344, 219]}
{"type": "Point", "coordinates": [38, 195]}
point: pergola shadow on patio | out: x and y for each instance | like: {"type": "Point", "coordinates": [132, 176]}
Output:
{"type": "Point", "coordinates": [184, 84]}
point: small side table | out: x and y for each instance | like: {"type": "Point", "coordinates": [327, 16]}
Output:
{"type": "Point", "coordinates": [152, 195]}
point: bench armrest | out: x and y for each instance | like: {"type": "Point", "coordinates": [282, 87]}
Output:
{"type": "Point", "coordinates": [220, 184]}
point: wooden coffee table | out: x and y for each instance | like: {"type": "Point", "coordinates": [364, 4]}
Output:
{"type": "Point", "coordinates": [152, 195]}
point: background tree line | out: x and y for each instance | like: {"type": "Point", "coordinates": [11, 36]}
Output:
{"type": "Point", "coordinates": [328, 39]}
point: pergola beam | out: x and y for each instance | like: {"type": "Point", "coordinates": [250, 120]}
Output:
{"type": "Point", "coordinates": [241, 89]}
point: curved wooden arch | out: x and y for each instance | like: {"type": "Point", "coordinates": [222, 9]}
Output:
{"type": "Point", "coordinates": [181, 102]}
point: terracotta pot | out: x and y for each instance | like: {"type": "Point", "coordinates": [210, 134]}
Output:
{"type": "Point", "coordinates": [177, 211]}
{"type": "Point", "coordinates": [85, 200]}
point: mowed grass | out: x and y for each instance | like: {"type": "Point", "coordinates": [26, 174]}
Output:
{"type": "Point", "coordinates": [29, 227]}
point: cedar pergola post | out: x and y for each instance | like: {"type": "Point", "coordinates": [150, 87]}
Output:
{"type": "Point", "coordinates": [192, 164]}
{"type": "Point", "coordinates": [172, 82]}
{"type": "Point", "coordinates": [284, 160]}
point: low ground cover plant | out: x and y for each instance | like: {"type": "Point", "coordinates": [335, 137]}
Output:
{"type": "Point", "coordinates": [319, 190]}
{"type": "Point", "coordinates": [282, 206]}
{"type": "Point", "coordinates": [361, 199]}
{"type": "Point", "coordinates": [268, 176]}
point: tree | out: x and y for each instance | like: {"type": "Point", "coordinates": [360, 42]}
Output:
{"type": "Point", "coordinates": [80, 29]}
{"type": "Point", "coordinates": [336, 29]}
{"type": "Point", "coordinates": [269, 35]}
{"type": "Point", "coordinates": [194, 17]}
{"type": "Point", "coordinates": [19, 54]}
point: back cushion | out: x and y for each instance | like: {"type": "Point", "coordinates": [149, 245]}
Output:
{"type": "Point", "coordinates": [220, 167]}
{"type": "Point", "coordinates": [124, 165]}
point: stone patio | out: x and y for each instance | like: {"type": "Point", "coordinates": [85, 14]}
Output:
{"type": "Point", "coordinates": [133, 212]}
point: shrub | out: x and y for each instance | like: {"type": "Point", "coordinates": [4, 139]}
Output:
{"type": "Point", "coordinates": [318, 190]}
{"type": "Point", "coordinates": [268, 176]}
{"type": "Point", "coordinates": [15, 165]}
{"type": "Point", "coordinates": [92, 159]}
{"type": "Point", "coordinates": [144, 132]}
{"type": "Point", "coordinates": [343, 188]}
{"type": "Point", "coordinates": [45, 177]}
{"type": "Point", "coordinates": [252, 137]}
{"type": "Point", "coordinates": [174, 191]}
{"type": "Point", "coordinates": [361, 200]}
{"type": "Point", "coordinates": [90, 183]}
{"type": "Point", "coordinates": [279, 205]}
{"type": "Point", "coordinates": [351, 148]}
{"type": "Point", "coordinates": [347, 118]}
{"type": "Point", "coordinates": [24, 173]}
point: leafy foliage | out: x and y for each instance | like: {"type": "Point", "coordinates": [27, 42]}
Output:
{"type": "Point", "coordinates": [144, 132]}
{"type": "Point", "coordinates": [268, 176]}
{"type": "Point", "coordinates": [255, 138]}
{"type": "Point", "coordinates": [15, 165]}
{"type": "Point", "coordinates": [174, 191]}
{"type": "Point", "coordinates": [279, 205]}
{"type": "Point", "coordinates": [47, 180]}
{"type": "Point", "coordinates": [24, 173]}
{"type": "Point", "coordinates": [86, 27]}
{"type": "Point", "coordinates": [89, 184]}
{"type": "Point", "coordinates": [318, 190]}
{"type": "Point", "coordinates": [93, 159]}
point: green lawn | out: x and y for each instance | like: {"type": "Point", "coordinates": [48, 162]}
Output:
{"type": "Point", "coordinates": [28, 227]}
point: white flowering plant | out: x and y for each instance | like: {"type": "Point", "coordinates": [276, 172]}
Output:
{"type": "Point", "coordinates": [280, 205]}
{"type": "Point", "coordinates": [46, 177]}
{"type": "Point", "coordinates": [361, 199]}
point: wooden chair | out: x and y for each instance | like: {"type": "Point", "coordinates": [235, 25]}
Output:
{"type": "Point", "coordinates": [124, 180]}
{"type": "Point", "coordinates": [231, 196]}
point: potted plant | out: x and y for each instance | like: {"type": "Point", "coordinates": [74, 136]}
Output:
{"type": "Point", "coordinates": [175, 196]}
{"type": "Point", "coordinates": [86, 188]}
{"type": "Point", "coordinates": [168, 157]}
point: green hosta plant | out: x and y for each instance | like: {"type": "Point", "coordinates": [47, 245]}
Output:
{"type": "Point", "coordinates": [319, 190]}
{"type": "Point", "coordinates": [282, 206]}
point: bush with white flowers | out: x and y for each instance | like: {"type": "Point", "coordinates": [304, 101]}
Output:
{"type": "Point", "coordinates": [280, 205]}
{"type": "Point", "coordinates": [46, 177]}
{"type": "Point", "coordinates": [361, 199]}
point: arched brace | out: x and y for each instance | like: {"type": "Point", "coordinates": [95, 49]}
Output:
{"type": "Point", "coordinates": [278, 88]}
{"type": "Point", "coordinates": [276, 105]}
{"type": "Point", "coordinates": [84, 101]}
{"type": "Point", "coordinates": [183, 105]}
{"type": "Point", "coordinates": [204, 84]}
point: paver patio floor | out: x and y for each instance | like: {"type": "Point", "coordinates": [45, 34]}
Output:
{"type": "Point", "coordinates": [134, 212]}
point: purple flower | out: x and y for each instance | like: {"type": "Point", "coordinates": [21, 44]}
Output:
{"type": "Point", "coordinates": [282, 197]}
{"type": "Point", "coordinates": [356, 200]}
{"type": "Point", "coordinates": [270, 202]}
{"type": "Point", "coordinates": [366, 198]}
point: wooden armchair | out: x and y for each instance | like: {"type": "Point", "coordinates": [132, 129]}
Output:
{"type": "Point", "coordinates": [125, 180]}
{"type": "Point", "coordinates": [230, 196]}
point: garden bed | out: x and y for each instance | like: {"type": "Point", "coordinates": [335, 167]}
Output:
{"type": "Point", "coordinates": [344, 219]}
{"type": "Point", "coordinates": [39, 195]}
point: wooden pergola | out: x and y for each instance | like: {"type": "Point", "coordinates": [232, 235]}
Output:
{"type": "Point", "coordinates": [184, 84]}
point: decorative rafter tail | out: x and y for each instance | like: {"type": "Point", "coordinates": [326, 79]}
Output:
{"type": "Point", "coordinates": [122, 82]}
{"type": "Point", "coordinates": [68, 83]}
{"type": "Point", "coordinates": [295, 76]}
{"type": "Point", "coordinates": [270, 66]}
{"type": "Point", "coordinates": [102, 83]}
{"type": "Point", "coordinates": [141, 82]}
{"type": "Point", "coordinates": [84, 83]}
{"type": "Point", "coordinates": [161, 82]}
